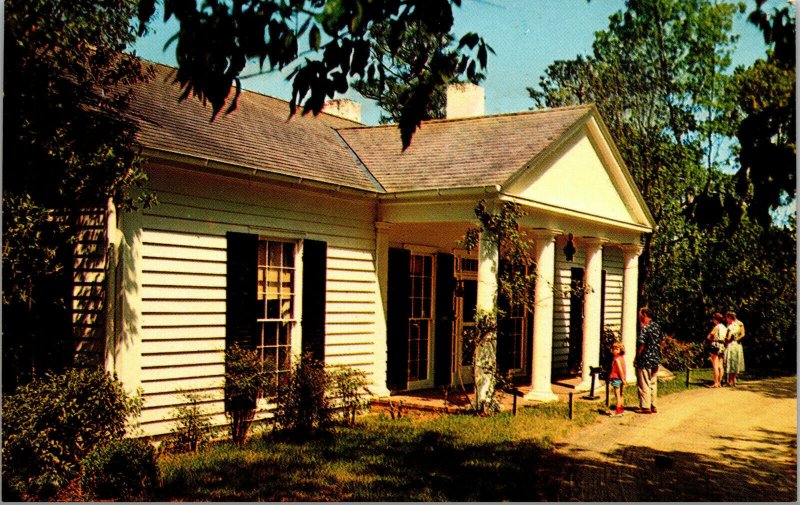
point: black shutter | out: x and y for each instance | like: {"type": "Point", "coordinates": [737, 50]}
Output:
{"type": "Point", "coordinates": [576, 321]}
{"type": "Point", "coordinates": [241, 297]}
{"type": "Point", "coordinates": [399, 310]}
{"type": "Point", "coordinates": [445, 285]}
{"type": "Point", "coordinates": [315, 264]}
{"type": "Point", "coordinates": [505, 344]}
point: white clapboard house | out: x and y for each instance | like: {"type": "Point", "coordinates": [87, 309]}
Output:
{"type": "Point", "coordinates": [322, 234]}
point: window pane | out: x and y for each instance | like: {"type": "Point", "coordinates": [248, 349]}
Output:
{"type": "Point", "coordinates": [284, 335]}
{"type": "Point", "coordinates": [270, 334]}
{"type": "Point", "coordinates": [286, 308]}
{"type": "Point", "coordinates": [288, 254]}
{"type": "Point", "coordinates": [275, 250]}
{"type": "Point", "coordinates": [262, 253]}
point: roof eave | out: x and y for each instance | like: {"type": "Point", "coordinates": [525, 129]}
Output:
{"type": "Point", "coordinates": [422, 194]}
{"type": "Point", "coordinates": [248, 172]}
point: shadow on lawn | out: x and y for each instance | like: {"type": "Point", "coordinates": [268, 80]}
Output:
{"type": "Point", "coordinates": [397, 464]}
{"type": "Point", "coordinates": [371, 466]}
{"type": "Point", "coordinates": [644, 474]}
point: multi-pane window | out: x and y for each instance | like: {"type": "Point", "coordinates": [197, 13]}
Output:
{"type": "Point", "coordinates": [421, 320]}
{"type": "Point", "coordinates": [276, 287]}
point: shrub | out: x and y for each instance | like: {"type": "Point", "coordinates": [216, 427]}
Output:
{"type": "Point", "coordinates": [302, 402]}
{"type": "Point", "coordinates": [51, 424]}
{"type": "Point", "coordinates": [350, 388]}
{"type": "Point", "coordinates": [192, 426]}
{"type": "Point", "coordinates": [120, 470]}
{"type": "Point", "coordinates": [246, 380]}
{"type": "Point", "coordinates": [677, 355]}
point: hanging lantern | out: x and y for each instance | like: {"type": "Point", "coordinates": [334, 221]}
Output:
{"type": "Point", "coordinates": [569, 249]}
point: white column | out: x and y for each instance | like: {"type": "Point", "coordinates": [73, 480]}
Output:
{"type": "Point", "coordinates": [592, 325]}
{"type": "Point", "coordinates": [630, 287]}
{"type": "Point", "coordinates": [542, 352]}
{"type": "Point", "coordinates": [378, 387]}
{"type": "Point", "coordinates": [486, 354]}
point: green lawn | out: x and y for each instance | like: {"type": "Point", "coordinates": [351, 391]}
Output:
{"type": "Point", "coordinates": [448, 458]}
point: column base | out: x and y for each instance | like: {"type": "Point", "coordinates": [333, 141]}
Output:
{"type": "Point", "coordinates": [379, 391]}
{"type": "Point", "coordinates": [599, 385]}
{"type": "Point", "coordinates": [541, 396]}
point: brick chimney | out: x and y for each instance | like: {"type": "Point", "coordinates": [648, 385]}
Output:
{"type": "Point", "coordinates": [343, 108]}
{"type": "Point", "coordinates": [464, 100]}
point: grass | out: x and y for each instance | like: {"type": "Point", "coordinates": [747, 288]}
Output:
{"type": "Point", "coordinates": [447, 458]}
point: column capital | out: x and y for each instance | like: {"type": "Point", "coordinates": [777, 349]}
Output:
{"type": "Point", "coordinates": [631, 250]}
{"type": "Point", "coordinates": [591, 242]}
{"type": "Point", "coordinates": [544, 234]}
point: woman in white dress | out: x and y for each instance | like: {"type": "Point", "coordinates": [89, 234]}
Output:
{"type": "Point", "coordinates": [734, 353]}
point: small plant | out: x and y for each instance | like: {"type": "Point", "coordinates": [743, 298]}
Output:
{"type": "Point", "coordinates": [677, 356]}
{"type": "Point", "coordinates": [350, 388]}
{"type": "Point", "coordinates": [302, 402]}
{"type": "Point", "coordinates": [51, 424]}
{"type": "Point", "coordinates": [192, 428]}
{"type": "Point", "coordinates": [246, 380]}
{"type": "Point", "coordinates": [123, 470]}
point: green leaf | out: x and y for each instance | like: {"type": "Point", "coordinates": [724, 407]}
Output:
{"type": "Point", "coordinates": [314, 37]}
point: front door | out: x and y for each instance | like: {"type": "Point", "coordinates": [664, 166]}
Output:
{"type": "Point", "coordinates": [420, 322]}
{"type": "Point", "coordinates": [465, 300]}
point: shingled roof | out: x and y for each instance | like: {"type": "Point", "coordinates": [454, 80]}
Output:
{"type": "Point", "coordinates": [469, 152]}
{"type": "Point", "coordinates": [456, 153]}
{"type": "Point", "coordinates": [257, 135]}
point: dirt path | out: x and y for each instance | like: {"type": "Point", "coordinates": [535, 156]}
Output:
{"type": "Point", "coordinates": [729, 444]}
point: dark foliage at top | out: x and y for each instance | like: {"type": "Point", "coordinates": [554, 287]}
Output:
{"type": "Point", "coordinates": [217, 39]}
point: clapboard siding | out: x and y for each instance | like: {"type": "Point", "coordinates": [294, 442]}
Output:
{"type": "Point", "coordinates": [184, 257]}
{"type": "Point", "coordinates": [613, 265]}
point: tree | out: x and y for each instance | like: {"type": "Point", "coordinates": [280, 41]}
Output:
{"type": "Point", "coordinates": [67, 146]}
{"type": "Point", "coordinates": [766, 99]}
{"type": "Point", "coordinates": [400, 72]}
{"type": "Point", "coordinates": [217, 38]}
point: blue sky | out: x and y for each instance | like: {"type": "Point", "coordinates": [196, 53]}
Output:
{"type": "Point", "coordinates": [527, 35]}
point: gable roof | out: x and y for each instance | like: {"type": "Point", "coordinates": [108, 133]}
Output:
{"type": "Point", "coordinates": [257, 135]}
{"type": "Point", "coordinates": [503, 150]}
{"type": "Point", "coordinates": [453, 153]}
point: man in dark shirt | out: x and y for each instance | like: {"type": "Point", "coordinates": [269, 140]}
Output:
{"type": "Point", "coordinates": [648, 358]}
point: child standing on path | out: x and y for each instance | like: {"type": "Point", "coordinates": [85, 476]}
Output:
{"type": "Point", "coordinates": [617, 376]}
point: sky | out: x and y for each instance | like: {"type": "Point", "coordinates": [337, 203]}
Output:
{"type": "Point", "coordinates": [527, 36]}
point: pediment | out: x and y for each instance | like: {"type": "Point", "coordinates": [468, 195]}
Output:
{"type": "Point", "coordinates": [582, 173]}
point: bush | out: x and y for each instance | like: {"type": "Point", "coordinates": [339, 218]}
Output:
{"type": "Point", "coordinates": [350, 388]}
{"type": "Point", "coordinates": [246, 380]}
{"type": "Point", "coordinates": [677, 355]}
{"type": "Point", "coordinates": [192, 426]}
{"type": "Point", "coordinates": [120, 470]}
{"type": "Point", "coordinates": [302, 402]}
{"type": "Point", "coordinates": [51, 424]}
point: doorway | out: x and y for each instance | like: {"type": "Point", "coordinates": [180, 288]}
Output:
{"type": "Point", "coordinates": [465, 300]}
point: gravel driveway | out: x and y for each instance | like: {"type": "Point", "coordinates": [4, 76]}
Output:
{"type": "Point", "coordinates": [728, 444]}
